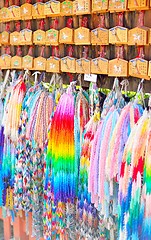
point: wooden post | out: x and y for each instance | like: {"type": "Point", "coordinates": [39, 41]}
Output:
{"type": "Point", "coordinates": [19, 229]}
{"type": "Point", "coordinates": [7, 226]}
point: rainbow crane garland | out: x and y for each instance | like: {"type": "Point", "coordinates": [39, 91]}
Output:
{"type": "Point", "coordinates": [10, 123]}
{"type": "Point", "coordinates": [61, 150]}
{"type": "Point", "coordinates": [62, 162]}
{"type": "Point", "coordinates": [62, 155]}
{"type": "Point", "coordinates": [134, 208]}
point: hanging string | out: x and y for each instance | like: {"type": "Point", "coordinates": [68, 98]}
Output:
{"type": "Point", "coordinates": [101, 23]}
{"type": "Point", "coordinates": [18, 51]}
{"type": "Point", "coordinates": [28, 24]}
{"type": "Point", "coordinates": [55, 23]}
{"type": "Point", "coordinates": [18, 26]}
{"type": "Point", "coordinates": [102, 52]}
{"type": "Point", "coordinates": [7, 27]}
{"type": "Point", "coordinates": [30, 51]}
{"type": "Point", "coordinates": [70, 51]}
{"type": "Point", "coordinates": [120, 19]}
{"type": "Point", "coordinates": [140, 22]}
{"type": "Point", "coordinates": [84, 22]}
{"type": "Point", "coordinates": [120, 52]}
{"type": "Point", "coordinates": [6, 3]}
{"type": "Point", "coordinates": [17, 2]}
{"type": "Point", "coordinates": [42, 24]}
{"type": "Point", "coordinates": [85, 51]}
{"type": "Point", "coordinates": [69, 22]}
{"type": "Point", "coordinates": [55, 51]}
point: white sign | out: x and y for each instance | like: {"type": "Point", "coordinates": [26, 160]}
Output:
{"type": "Point", "coordinates": [90, 77]}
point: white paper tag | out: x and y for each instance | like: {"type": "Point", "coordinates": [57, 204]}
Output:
{"type": "Point", "coordinates": [90, 77]}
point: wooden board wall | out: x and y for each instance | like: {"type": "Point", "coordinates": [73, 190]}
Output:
{"type": "Point", "coordinates": [130, 21]}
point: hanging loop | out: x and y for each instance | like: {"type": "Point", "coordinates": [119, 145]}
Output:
{"type": "Point", "coordinates": [26, 75]}
{"type": "Point", "coordinates": [80, 80]}
{"type": "Point", "coordinates": [115, 84]}
{"type": "Point", "coordinates": [53, 80]}
{"type": "Point", "coordinates": [140, 92]}
{"type": "Point", "coordinates": [149, 103]}
{"type": "Point", "coordinates": [124, 84]}
{"type": "Point", "coordinates": [4, 83]}
{"type": "Point", "coordinates": [36, 77]}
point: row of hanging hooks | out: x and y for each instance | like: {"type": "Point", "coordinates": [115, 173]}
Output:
{"type": "Point", "coordinates": [57, 80]}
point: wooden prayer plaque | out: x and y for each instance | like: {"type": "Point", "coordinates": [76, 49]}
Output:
{"type": "Point", "coordinates": [118, 6]}
{"type": "Point", "coordinates": [14, 13]}
{"type": "Point", "coordinates": [67, 8]}
{"type": "Point", "coordinates": [4, 14]}
{"type": "Point", "coordinates": [15, 38]}
{"type": "Point", "coordinates": [53, 65]}
{"type": "Point", "coordinates": [82, 36]}
{"type": "Point", "coordinates": [138, 35]}
{"type": "Point", "coordinates": [118, 35]}
{"type": "Point", "coordinates": [26, 37]}
{"type": "Point", "coordinates": [52, 8]}
{"type": "Point", "coordinates": [118, 68]}
{"type": "Point", "coordinates": [16, 62]}
{"type": "Point", "coordinates": [149, 69]}
{"type": "Point", "coordinates": [138, 4]}
{"type": "Point", "coordinates": [26, 11]}
{"type": "Point", "coordinates": [5, 61]}
{"type": "Point", "coordinates": [81, 7]}
{"type": "Point", "coordinates": [38, 10]}
{"type": "Point", "coordinates": [40, 64]}
{"type": "Point", "coordinates": [68, 64]}
{"type": "Point", "coordinates": [83, 65]}
{"type": "Point", "coordinates": [27, 62]}
{"type": "Point", "coordinates": [100, 36]}
{"type": "Point", "coordinates": [99, 66]}
{"type": "Point", "coordinates": [99, 5]}
{"type": "Point", "coordinates": [138, 67]}
{"type": "Point", "coordinates": [39, 37]}
{"type": "Point", "coordinates": [52, 37]}
{"type": "Point", "coordinates": [5, 38]}
{"type": "Point", "coordinates": [66, 35]}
